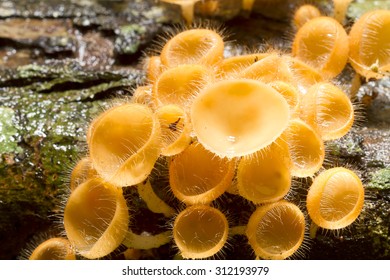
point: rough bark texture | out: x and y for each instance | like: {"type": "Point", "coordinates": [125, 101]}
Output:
{"type": "Point", "coordinates": [63, 62]}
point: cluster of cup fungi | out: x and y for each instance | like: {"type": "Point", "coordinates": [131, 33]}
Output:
{"type": "Point", "coordinates": [244, 125]}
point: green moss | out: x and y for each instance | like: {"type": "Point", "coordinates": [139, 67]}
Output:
{"type": "Point", "coordinates": [380, 179]}
{"type": "Point", "coordinates": [9, 132]}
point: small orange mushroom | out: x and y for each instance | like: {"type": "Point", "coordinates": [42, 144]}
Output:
{"type": "Point", "coordinates": [369, 42]}
{"type": "Point", "coordinates": [238, 117]}
{"type": "Point", "coordinates": [276, 230]}
{"type": "Point", "coordinates": [264, 176]}
{"type": "Point", "coordinates": [327, 109]}
{"type": "Point", "coordinates": [194, 46]}
{"type": "Point", "coordinates": [335, 198]}
{"type": "Point", "coordinates": [200, 231]}
{"type": "Point", "coordinates": [306, 148]}
{"type": "Point", "coordinates": [305, 13]}
{"type": "Point", "coordinates": [124, 144]}
{"type": "Point", "coordinates": [322, 43]}
{"type": "Point", "coordinates": [96, 218]}
{"type": "Point", "coordinates": [54, 249]}
{"type": "Point", "coordinates": [179, 85]}
{"type": "Point", "coordinates": [197, 176]}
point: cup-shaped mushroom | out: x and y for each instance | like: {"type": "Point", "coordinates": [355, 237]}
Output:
{"type": "Point", "coordinates": [82, 171]}
{"type": "Point", "coordinates": [369, 43]}
{"type": "Point", "coordinates": [235, 64]}
{"type": "Point", "coordinates": [179, 85]}
{"type": "Point", "coordinates": [328, 109]}
{"type": "Point", "coordinates": [54, 249]}
{"type": "Point", "coordinates": [234, 118]}
{"type": "Point", "coordinates": [264, 176]}
{"type": "Point", "coordinates": [96, 218]}
{"type": "Point", "coordinates": [276, 230]}
{"type": "Point", "coordinates": [335, 198]}
{"type": "Point", "coordinates": [305, 13]}
{"type": "Point", "coordinates": [194, 46]}
{"type": "Point", "coordinates": [124, 144]}
{"type": "Point", "coordinates": [200, 231]}
{"type": "Point", "coordinates": [197, 176]}
{"type": "Point", "coordinates": [175, 129]}
{"type": "Point", "coordinates": [289, 92]}
{"type": "Point", "coordinates": [306, 147]}
{"type": "Point", "coordinates": [322, 43]}
{"type": "Point", "coordinates": [268, 69]}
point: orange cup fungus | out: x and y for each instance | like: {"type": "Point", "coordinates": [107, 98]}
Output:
{"type": "Point", "coordinates": [232, 118]}
{"type": "Point", "coordinates": [54, 249]}
{"type": "Point", "coordinates": [306, 147]}
{"type": "Point", "coordinates": [369, 43]}
{"type": "Point", "coordinates": [322, 43]}
{"type": "Point", "coordinates": [197, 176]}
{"type": "Point", "coordinates": [276, 231]}
{"type": "Point", "coordinates": [96, 218]}
{"type": "Point", "coordinates": [200, 231]}
{"type": "Point", "coordinates": [175, 129]}
{"type": "Point", "coordinates": [194, 46]}
{"type": "Point", "coordinates": [305, 13]}
{"type": "Point", "coordinates": [179, 85]}
{"type": "Point", "coordinates": [335, 199]}
{"type": "Point", "coordinates": [265, 177]}
{"type": "Point", "coordinates": [328, 109]}
{"type": "Point", "coordinates": [124, 144]}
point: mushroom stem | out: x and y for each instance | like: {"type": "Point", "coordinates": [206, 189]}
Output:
{"type": "Point", "coordinates": [340, 8]}
{"type": "Point", "coordinates": [237, 230]}
{"type": "Point", "coordinates": [146, 242]}
{"type": "Point", "coordinates": [247, 5]}
{"type": "Point", "coordinates": [154, 203]}
{"type": "Point", "coordinates": [313, 230]}
{"type": "Point", "coordinates": [187, 10]}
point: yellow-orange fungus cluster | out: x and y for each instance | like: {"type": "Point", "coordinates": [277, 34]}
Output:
{"type": "Point", "coordinates": [248, 125]}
